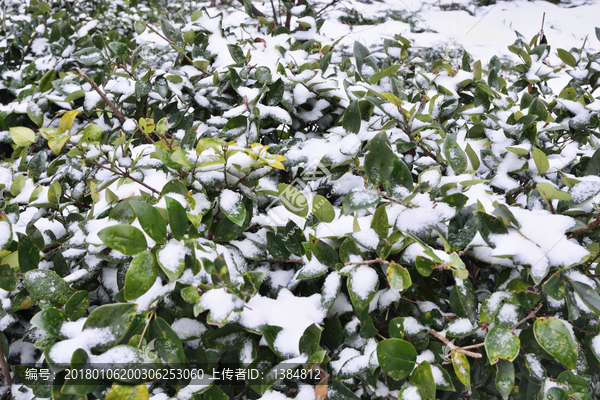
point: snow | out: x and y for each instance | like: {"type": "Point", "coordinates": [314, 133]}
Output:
{"type": "Point", "coordinates": [438, 376]}
{"type": "Point", "coordinates": [230, 202]}
{"type": "Point", "coordinates": [535, 365]}
{"type": "Point", "coordinates": [293, 314]}
{"type": "Point", "coordinates": [171, 256]}
{"type": "Point", "coordinates": [187, 328]}
{"type": "Point", "coordinates": [62, 351]}
{"type": "Point", "coordinates": [460, 326]}
{"type": "Point", "coordinates": [363, 280]}
{"type": "Point", "coordinates": [412, 326]}
{"type": "Point", "coordinates": [5, 233]}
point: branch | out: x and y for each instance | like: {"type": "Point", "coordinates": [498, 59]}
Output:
{"type": "Point", "coordinates": [254, 10]}
{"type": "Point", "coordinates": [529, 316]}
{"type": "Point", "coordinates": [591, 226]}
{"type": "Point", "coordinates": [123, 174]}
{"type": "Point", "coordinates": [455, 349]}
{"type": "Point", "coordinates": [114, 109]}
{"type": "Point", "coordinates": [326, 7]}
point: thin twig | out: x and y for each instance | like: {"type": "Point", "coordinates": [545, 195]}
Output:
{"type": "Point", "coordinates": [114, 108]}
{"type": "Point", "coordinates": [452, 346]}
{"type": "Point", "coordinates": [282, 260]}
{"type": "Point", "coordinates": [333, 2]}
{"type": "Point", "coordinates": [123, 174]}
{"type": "Point", "coordinates": [145, 327]}
{"type": "Point", "coordinates": [170, 41]}
{"type": "Point", "coordinates": [274, 13]}
{"type": "Point", "coordinates": [531, 314]}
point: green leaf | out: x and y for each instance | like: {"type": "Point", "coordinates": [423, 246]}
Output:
{"type": "Point", "coordinates": [88, 56]}
{"type": "Point", "coordinates": [142, 88]}
{"type": "Point", "coordinates": [379, 162]}
{"type": "Point", "coordinates": [325, 253]}
{"type": "Point", "coordinates": [501, 343]}
{"type": "Point", "coordinates": [172, 264]}
{"type": "Point", "coordinates": [140, 27]}
{"type": "Point", "coordinates": [446, 382]}
{"type": "Point", "coordinates": [46, 80]}
{"type": "Point", "coordinates": [322, 209]}
{"type": "Point", "coordinates": [232, 206]}
{"type": "Point", "coordinates": [309, 342]}
{"type": "Point", "coordinates": [167, 343]}
{"type": "Point", "coordinates": [504, 212]}
{"type": "Point", "coordinates": [588, 295]}
{"type": "Point", "coordinates": [237, 54]}
{"type": "Point", "coordinates": [472, 157]}
{"type": "Point", "coordinates": [455, 156]}
{"type": "Point", "coordinates": [117, 317]}
{"type": "Point", "coordinates": [276, 246]}
{"type": "Point", "coordinates": [505, 378]}
{"type": "Point", "coordinates": [396, 357]}
{"type": "Point", "coordinates": [8, 279]}
{"type": "Point", "coordinates": [50, 320]}
{"type": "Point", "coordinates": [382, 74]}
{"type": "Point", "coordinates": [380, 223]}
{"type": "Point", "coordinates": [597, 33]}
{"type": "Point", "coordinates": [22, 136]}
{"type": "Point", "coordinates": [462, 368]}
{"type": "Point", "coordinates": [178, 220]}
{"type": "Point", "coordinates": [35, 113]}
{"type": "Point", "coordinates": [127, 239]}
{"type": "Point", "coordinates": [141, 275]}
{"type": "Point", "coordinates": [567, 57]}
{"type": "Point", "coordinates": [541, 161]}
{"type": "Point", "coordinates": [363, 297]}
{"type": "Point", "coordinates": [487, 225]}
{"type": "Point", "coordinates": [398, 276]}
{"type": "Point", "coordinates": [121, 391]}
{"type": "Point", "coordinates": [77, 305]}
{"type": "Point", "coordinates": [351, 121]}
{"type": "Point", "coordinates": [151, 221]}
{"type": "Point", "coordinates": [422, 378]}
{"type": "Point", "coordinates": [46, 285]}
{"type": "Point", "coordinates": [556, 339]}
{"type": "Point", "coordinates": [400, 177]}
{"type": "Point", "coordinates": [293, 199]}
{"type": "Point", "coordinates": [555, 393]}
{"type": "Point", "coordinates": [468, 300]}
{"type": "Point", "coordinates": [235, 127]}
{"type": "Point", "coordinates": [360, 199]}
{"type": "Point", "coordinates": [549, 192]}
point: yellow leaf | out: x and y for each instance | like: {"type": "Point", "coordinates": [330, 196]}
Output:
{"type": "Point", "coordinates": [66, 121]}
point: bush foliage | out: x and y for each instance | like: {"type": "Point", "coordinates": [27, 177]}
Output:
{"type": "Point", "coordinates": [400, 226]}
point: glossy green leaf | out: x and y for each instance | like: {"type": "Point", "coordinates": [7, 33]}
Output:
{"type": "Point", "coordinates": [322, 209]}
{"type": "Point", "coordinates": [422, 378]}
{"type": "Point", "coordinates": [167, 343]}
{"type": "Point", "coordinates": [151, 221]}
{"type": "Point", "coordinates": [127, 239]}
{"type": "Point", "coordinates": [505, 378]}
{"type": "Point", "coordinates": [396, 357]}
{"type": "Point", "coordinates": [77, 305]}
{"type": "Point", "coordinates": [501, 343]}
{"type": "Point", "coordinates": [541, 161]}
{"type": "Point", "coordinates": [455, 156]}
{"type": "Point", "coordinates": [398, 276]}
{"type": "Point", "coordinates": [352, 120]}
{"type": "Point", "coordinates": [141, 275]}
{"type": "Point", "coordinates": [88, 56]}
{"type": "Point", "coordinates": [50, 320]}
{"type": "Point", "coordinates": [379, 161]}
{"type": "Point", "coordinates": [117, 317]}
{"type": "Point", "coordinates": [554, 337]}
{"type": "Point", "coordinates": [46, 285]}
{"type": "Point", "coordinates": [178, 220]}
{"type": "Point", "coordinates": [22, 136]}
